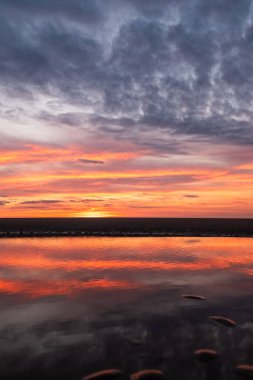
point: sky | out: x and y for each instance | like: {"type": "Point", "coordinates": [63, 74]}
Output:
{"type": "Point", "coordinates": [126, 108]}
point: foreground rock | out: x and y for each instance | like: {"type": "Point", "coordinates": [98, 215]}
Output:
{"type": "Point", "coordinates": [147, 374]}
{"type": "Point", "coordinates": [107, 374]}
{"type": "Point", "coordinates": [223, 321]}
{"type": "Point", "coordinates": [135, 341]}
{"type": "Point", "coordinates": [194, 297]}
{"type": "Point", "coordinates": [206, 355]}
{"type": "Point", "coordinates": [245, 371]}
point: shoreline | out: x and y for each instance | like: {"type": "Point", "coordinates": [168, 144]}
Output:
{"type": "Point", "coordinates": [125, 227]}
{"type": "Point", "coordinates": [11, 235]}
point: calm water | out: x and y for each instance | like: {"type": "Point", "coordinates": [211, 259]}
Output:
{"type": "Point", "coordinates": [70, 306]}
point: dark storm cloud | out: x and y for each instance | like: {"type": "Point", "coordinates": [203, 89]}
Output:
{"type": "Point", "coordinates": [181, 66]}
{"type": "Point", "coordinates": [83, 11]}
{"type": "Point", "coordinates": [48, 57]}
{"type": "Point", "coordinates": [151, 8]}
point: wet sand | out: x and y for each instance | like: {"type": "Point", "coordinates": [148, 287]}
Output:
{"type": "Point", "coordinates": [29, 227]}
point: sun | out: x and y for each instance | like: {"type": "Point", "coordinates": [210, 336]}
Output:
{"type": "Point", "coordinates": [95, 214]}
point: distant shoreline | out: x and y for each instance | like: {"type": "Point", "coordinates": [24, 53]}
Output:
{"type": "Point", "coordinates": [125, 227]}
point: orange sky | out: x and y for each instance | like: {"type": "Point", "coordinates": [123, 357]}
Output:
{"type": "Point", "coordinates": [141, 110]}
{"type": "Point", "coordinates": [38, 181]}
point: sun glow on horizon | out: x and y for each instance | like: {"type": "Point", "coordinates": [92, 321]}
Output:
{"type": "Point", "coordinates": [95, 214]}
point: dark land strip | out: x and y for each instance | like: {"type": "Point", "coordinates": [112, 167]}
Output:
{"type": "Point", "coordinates": [46, 227]}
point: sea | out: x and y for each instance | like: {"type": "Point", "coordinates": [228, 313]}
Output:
{"type": "Point", "coordinates": [71, 306]}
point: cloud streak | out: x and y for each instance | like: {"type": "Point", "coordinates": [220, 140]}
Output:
{"type": "Point", "coordinates": [86, 161]}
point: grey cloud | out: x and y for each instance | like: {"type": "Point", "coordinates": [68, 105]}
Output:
{"type": "Point", "coordinates": [53, 57]}
{"type": "Point", "coordinates": [236, 66]}
{"type": "Point", "coordinates": [139, 207]}
{"type": "Point", "coordinates": [83, 11]}
{"type": "Point", "coordinates": [86, 161]}
{"type": "Point", "coordinates": [150, 8]}
{"type": "Point", "coordinates": [41, 202]}
{"type": "Point", "coordinates": [88, 200]}
{"type": "Point", "coordinates": [189, 74]}
{"type": "Point", "coordinates": [191, 196]}
{"type": "Point", "coordinates": [72, 119]}
{"type": "Point", "coordinates": [224, 14]}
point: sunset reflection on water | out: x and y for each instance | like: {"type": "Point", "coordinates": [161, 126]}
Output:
{"type": "Point", "coordinates": [76, 301]}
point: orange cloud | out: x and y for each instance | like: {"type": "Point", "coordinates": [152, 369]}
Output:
{"type": "Point", "coordinates": [126, 184]}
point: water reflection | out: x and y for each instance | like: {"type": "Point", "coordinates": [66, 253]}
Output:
{"type": "Point", "coordinates": [70, 306]}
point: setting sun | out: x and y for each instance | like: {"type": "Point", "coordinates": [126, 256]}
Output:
{"type": "Point", "coordinates": [94, 214]}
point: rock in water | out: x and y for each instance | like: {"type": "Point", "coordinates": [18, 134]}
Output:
{"type": "Point", "coordinates": [206, 355]}
{"type": "Point", "coordinates": [107, 374]}
{"type": "Point", "coordinates": [223, 321]}
{"type": "Point", "coordinates": [193, 297]}
{"type": "Point", "coordinates": [147, 374]}
{"type": "Point", "coordinates": [136, 342]}
{"type": "Point", "coordinates": [245, 371]}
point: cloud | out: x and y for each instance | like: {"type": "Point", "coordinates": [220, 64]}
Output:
{"type": "Point", "coordinates": [88, 200]}
{"type": "Point", "coordinates": [128, 184]}
{"type": "Point", "coordinates": [191, 196]}
{"type": "Point", "coordinates": [72, 119]}
{"type": "Point", "coordinates": [184, 75]}
{"type": "Point", "coordinates": [86, 161]}
{"type": "Point", "coordinates": [82, 11]}
{"type": "Point", "coordinates": [41, 202]}
{"type": "Point", "coordinates": [141, 206]}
